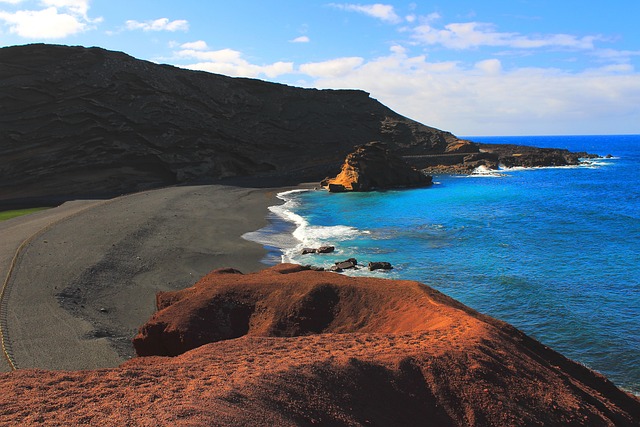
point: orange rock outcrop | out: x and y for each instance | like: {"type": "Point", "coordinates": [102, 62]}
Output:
{"type": "Point", "coordinates": [372, 166]}
{"type": "Point", "coordinates": [289, 346]}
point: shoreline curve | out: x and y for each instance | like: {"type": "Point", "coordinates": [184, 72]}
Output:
{"type": "Point", "coordinates": [88, 271]}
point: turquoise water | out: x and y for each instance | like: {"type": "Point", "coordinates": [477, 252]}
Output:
{"type": "Point", "coordinates": [553, 251]}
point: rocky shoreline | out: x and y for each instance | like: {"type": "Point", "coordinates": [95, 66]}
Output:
{"type": "Point", "coordinates": [494, 156]}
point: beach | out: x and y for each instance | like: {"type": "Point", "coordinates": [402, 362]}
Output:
{"type": "Point", "coordinates": [87, 276]}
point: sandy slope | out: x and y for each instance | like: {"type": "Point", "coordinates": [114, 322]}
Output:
{"type": "Point", "coordinates": [105, 264]}
{"type": "Point", "coordinates": [17, 231]}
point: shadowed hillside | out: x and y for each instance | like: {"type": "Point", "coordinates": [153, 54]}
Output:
{"type": "Point", "coordinates": [79, 121]}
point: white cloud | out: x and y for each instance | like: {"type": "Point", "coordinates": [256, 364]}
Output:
{"type": "Point", "coordinates": [486, 99]}
{"type": "Point", "coordinates": [489, 66]}
{"type": "Point", "coordinates": [613, 68]}
{"type": "Point", "coordinates": [231, 63]}
{"type": "Point", "coordinates": [618, 56]}
{"type": "Point", "coordinates": [332, 68]}
{"type": "Point", "coordinates": [475, 34]}
{"type": "Point", "coordinates": [380, 11]}
{"type": "Point", "coordinates": [161, 24]}
{"type": "Point", "coordinates": [197, 45]}
{"type": "Point", "coordinates": [46, 24]}
{"type": "Point", "coordinates": [301, 39]}
{"type": "Point", "coordinates": [79, 7]}
{"type": "Point", "coordinates": [59, 19]}
{"type": "Point", "coordinates": [434, 16]}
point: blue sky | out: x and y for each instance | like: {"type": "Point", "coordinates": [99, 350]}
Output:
{"type": "Point", "coordinates": [495, 67]}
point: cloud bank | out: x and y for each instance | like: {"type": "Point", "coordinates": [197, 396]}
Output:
{"type": "Point", "coordinates": [59, 19]}
{"type": "Point", "coordinates": [227, 61]}
{"type": "Point", "coordinates": [484, 97]}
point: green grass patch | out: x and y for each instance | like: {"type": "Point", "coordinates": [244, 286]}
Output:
{"type": "Point", "coordinates": [5, 215]}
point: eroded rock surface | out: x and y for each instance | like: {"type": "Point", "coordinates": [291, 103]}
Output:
{"type": "Point", "coordinates": [373, 167]}
{"type": "Point", "coordinates": [289, 346]}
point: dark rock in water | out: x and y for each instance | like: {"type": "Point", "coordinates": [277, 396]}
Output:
{"type": "Point", "coordinates": [87, 121]}
{"type": "Point", "coordinates": [372, 166]}
{"type": "Point", "coordinates": [333, 188]}
{"type": "Point", "coordinates": [325, 249]}
{"type": "Point", "coordinates": [609, 156]}
{"type": "Point", "coordinates": [380, 265]}
{"type": "Point", "coordinates": [491, 156]}
{"type": "Point", "coordinates": [320, 250]}
{"type": "Point", "coordinates": [344, 265]}
{"type": "Point", "coordinates": [529, 157]}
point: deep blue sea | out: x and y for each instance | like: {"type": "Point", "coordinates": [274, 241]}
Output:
{"type": "Point", "coordinates": [553, 251]}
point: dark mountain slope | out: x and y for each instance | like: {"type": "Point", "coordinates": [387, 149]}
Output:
{"type": "Point", "coordinates": [78, 121]}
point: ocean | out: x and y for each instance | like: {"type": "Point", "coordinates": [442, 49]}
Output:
{"type": "Point", "coordinates": [553, 251]}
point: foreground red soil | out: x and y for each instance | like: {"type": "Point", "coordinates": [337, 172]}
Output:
{"type": "Point", "coordinates": [292, 347]}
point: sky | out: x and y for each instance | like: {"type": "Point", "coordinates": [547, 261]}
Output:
{"type": "Point", "coordinates": [490, 67]}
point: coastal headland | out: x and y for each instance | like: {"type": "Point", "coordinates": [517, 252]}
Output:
{"type": "Point", "coordinates": [87, 122]}
{"type": "Point", "coordinates": [162, 171]}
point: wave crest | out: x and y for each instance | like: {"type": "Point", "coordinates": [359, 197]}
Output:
{"type": "Point", "coordinates": [300, 234]}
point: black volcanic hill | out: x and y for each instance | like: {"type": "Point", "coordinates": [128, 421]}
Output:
{"type": "Point", "coordinates": [87, 121]}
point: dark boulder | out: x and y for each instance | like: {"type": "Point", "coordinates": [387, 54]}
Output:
{"type": "Point", "coordinates": [344, 265]}
{"type": "Point", "coordinates": [320, 250]}
{"type": "Point", "coordinates": [380, 265]}
{"type": "Point", "coordinates": [325, 249]}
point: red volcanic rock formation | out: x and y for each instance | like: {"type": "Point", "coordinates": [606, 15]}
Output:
{"type": "Point", "coordinates": [288, 346]}
{"type": "Point", "coordinates": [372, 166]}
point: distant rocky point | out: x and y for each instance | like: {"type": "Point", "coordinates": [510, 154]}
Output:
{"type": "Point", "coordinates": [495, 156]}
{"type": "Point", "coordinates": [372, 167]}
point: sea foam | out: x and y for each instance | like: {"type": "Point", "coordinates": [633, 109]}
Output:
{"type": "Point", "coordinates": [289, 232]}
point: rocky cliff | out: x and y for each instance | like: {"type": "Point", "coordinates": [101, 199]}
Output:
{"type": "Point", "coordinates": [79, 121]}
{"type": "Point", "coordinates": [289, 346]}
{"type": "Point", "coordinates": [372, 167]}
